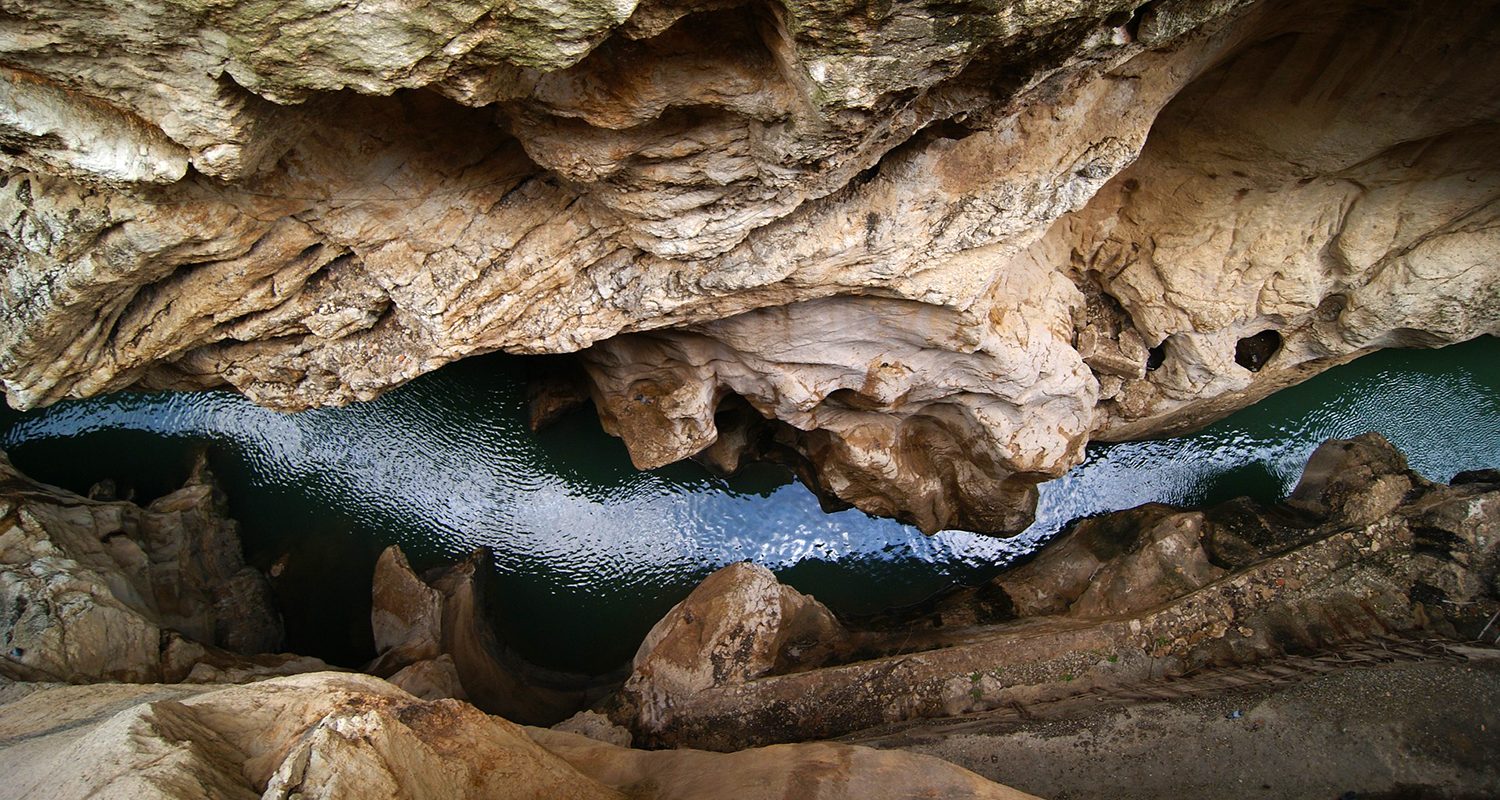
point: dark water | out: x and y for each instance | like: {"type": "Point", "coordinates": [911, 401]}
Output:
{"type": "Point", "coordinates": [591, 552]}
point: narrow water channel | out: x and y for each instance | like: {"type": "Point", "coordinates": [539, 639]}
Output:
{"type": "Point", "coordinates": [590, 552]}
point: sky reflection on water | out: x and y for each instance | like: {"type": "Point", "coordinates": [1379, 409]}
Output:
{"type": "Point", "coordinates": [591, 551]}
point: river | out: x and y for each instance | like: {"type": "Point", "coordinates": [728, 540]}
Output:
{"type": "Point", "coordinates": [590, 552]}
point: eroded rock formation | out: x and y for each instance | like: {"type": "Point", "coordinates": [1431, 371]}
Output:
{"type": "Point", "coordinates": [435, 638]}
{"type": "Point", "coordinates": [941, 246]}
{"type": "Point", "coordinates": [1363, 551]}
{"type": "Point", "coordinates": [96, 590]}
{"type": "Point", "coordinates": [329, 735]}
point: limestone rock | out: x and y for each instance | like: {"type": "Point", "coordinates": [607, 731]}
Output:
{"type": "Point", "coordinates": [595, 726]}
{"type": "Point", "coordinates": [1367, 553]}
{"type": "Point", "coordinates": [1123, 562]}
{"type": "Point", "coordinates": [941, 247]}
{"type": "Point", "coordinates": [738, 625]}
{"type": "Point", "coordinates": [406, 614]}
{"type": "Point", "coordinates": [330, 735]}
{"type": "Point", "coordinates": [317, 735]}
{"type": "Point", "coordinates": [111, 591]}
{"type": "Point", "coordinates": [436, 638]}
{"type": "Point", "coordinates": [433, 679]}
{"type": "Point", "coordinates": [813, 769]}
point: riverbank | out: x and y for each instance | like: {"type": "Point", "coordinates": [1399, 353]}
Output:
{"type": "Point", "coordinates": [1301, 616]}
{"type": "Point", "coordinates": [1421, 726]}
{"type": "Point", "coordinates": [589, 552]}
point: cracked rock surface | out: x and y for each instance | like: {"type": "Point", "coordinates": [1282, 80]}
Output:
{"type": "Point", "coordinates": [923, 251]}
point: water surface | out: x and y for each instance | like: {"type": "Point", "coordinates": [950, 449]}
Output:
{"type": "Point", "coordinates": [590, 552]}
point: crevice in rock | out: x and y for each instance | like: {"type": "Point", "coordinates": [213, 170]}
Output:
{"type": "Point", "coordinates": [1155, 357]}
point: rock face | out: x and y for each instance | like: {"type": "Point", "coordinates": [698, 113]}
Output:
{"type": "Point", "coordinates": [435, 638]}
{"type": "Point", "coordinates": [739, 624]}
{"type": "Point", "coordinates": [940, 246]}
{"type": "Point", "coordinates": [1364, 551]}
{"type": "Point", "coordinates": [95, 590]}
{"type": "Point", "coordinates": [328, 735]}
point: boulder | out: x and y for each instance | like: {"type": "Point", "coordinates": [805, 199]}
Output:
{"type": "Point", "coordinates": [738, 625]}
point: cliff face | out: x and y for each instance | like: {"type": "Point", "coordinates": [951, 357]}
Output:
{"type": "Point", "coordinates": [97, 589]}
{"type": "Point", "coordinates": [938, 246]}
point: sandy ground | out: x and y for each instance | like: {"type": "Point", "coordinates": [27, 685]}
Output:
{"type": "Point", "coordinates": [1404, 730]}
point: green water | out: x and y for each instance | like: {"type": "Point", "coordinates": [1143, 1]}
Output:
{"type": "Point", "coordinates": [590, 552]}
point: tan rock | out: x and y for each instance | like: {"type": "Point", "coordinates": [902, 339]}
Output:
{"type": "Point", "coordinates": [1125, 603]}
{"type": "Point", "coordinates": [942, 248]}
{"type": "Point", "coordinates": [330, 735]}
{"type": "Point", "coordinates": [815, 769]}
{"type": "Point", "coordinates": [406, 614]}
{"type": "Point", "coordinates": [100, 590]}
{"type": "Point", "coordinates": [595, 726]}
{"type": "Point", "coordinates": [738, 625]}
{"type": "Point", "coordinates": [433, 679]}
{"type": "Point", "coordinates": [317, 735]}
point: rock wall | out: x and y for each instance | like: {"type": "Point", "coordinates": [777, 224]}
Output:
{"type": "Point", "coordinates": [938, 246]}
{"type": "Point", "coordinates": [1366, 562]}
{"type": "Point", "coordinates": [95, 590]}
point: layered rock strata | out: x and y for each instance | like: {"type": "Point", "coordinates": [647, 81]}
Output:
{"type": "Point", "coordinates": [327, 735]}
{"type": "Point", "coordinates": [1364, 549]}
{"type": "Point", "coordinates": [941, 246]}
{"type": "Point", "coordinates": [96, 590]}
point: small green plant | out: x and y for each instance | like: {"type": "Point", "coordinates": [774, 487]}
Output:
{"type": "Point", "coordinates": [975, 676]}
{"type": "Point", "coordinates": [1113, 658]}
{"type": "Point", "coordinates": [1067, 676]}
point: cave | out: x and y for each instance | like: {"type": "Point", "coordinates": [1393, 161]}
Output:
{"type": "Point", "coordinates": [864, 312]}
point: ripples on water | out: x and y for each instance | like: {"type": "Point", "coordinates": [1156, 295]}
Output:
{"type": "Point", "coordinates": [591, 551]}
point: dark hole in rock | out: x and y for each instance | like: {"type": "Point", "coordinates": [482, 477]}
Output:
{"type": "Point", "coordinates": [1252, 352]}
{"type": "Point", "coordinates": [865, 176]}
{"type": "Point", "coordinates": [1133, 26]}
{"type": "Point", "coordinates": [1156, 356]}
{"type": "Point", "coordinates": [949, 129]}
{"type": "Point", "coordinates": [1436, 542]}
{"type": "Point", "coordinates": [1428, 595]}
